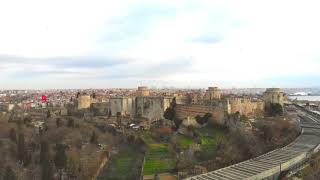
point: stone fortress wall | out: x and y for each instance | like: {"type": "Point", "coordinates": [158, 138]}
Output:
{"type": "Point", "coordinates": [143, 91]}
{"type": "Point", "coordinates": [101, 107]}
{"type": "Point", "coordinates": [141, 106]}
{"type": "Point", "coordinates": [84, 101]}
{"type": "Point", "coordinates": [122, 105]}
{"type": "Point", "coordinates": [272, 96]}
{"type": "Point", "coordinates": [212, 102]}
{"type": "Point", "coordinates": [151, 108]}
{"type": "Point", "coordinates": [245, 106]}
{"type": "Point", "coordinates": [183, 111]}
{"type": "Point", "coordinates": [212, 93]}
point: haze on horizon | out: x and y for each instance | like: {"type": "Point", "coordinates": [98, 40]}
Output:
{"type": "Point", "coordinates": [103, 44]}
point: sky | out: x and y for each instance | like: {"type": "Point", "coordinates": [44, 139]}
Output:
{"type": "Point", "coordinates": [159, 43]}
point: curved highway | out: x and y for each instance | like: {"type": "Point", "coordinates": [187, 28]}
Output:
{"type": "Point", "coordinates": [272, 164]}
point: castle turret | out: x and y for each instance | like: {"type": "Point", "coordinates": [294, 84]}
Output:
{"type": "Point", "coordinates": [143, 91]}
{"type": "Point", "coordinates": [273, 96]}
{"type": "Point", "coordinates": [213, 93]}
{"type": "Point", "coordinates": [84, 101]}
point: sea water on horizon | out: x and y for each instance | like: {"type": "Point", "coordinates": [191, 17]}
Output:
{"type": "Point", "coordinates": [305, 98]}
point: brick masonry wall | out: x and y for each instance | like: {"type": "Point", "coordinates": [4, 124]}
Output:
{"type": "Point", "coordinates": [183, 111]}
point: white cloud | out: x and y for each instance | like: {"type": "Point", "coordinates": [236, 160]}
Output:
{"type": "Point", "coordinates": [227, 42]}
{"type": "Point", "coordinates": [38, 28]}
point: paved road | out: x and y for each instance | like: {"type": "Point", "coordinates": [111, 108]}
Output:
{"type": "Point", "coordinates": [269, 166]}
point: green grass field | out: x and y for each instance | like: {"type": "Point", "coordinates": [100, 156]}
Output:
{"type": "Point", "coordinates": [122, 166]}
{"type": "Point", "coordinates": [184, 141]}
{"type": "Point", "coordinates": [210, 137]}
{"type": "Point", "coordinates": [158, 159]}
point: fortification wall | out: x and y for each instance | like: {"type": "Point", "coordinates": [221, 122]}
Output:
{"type": "Point", "coordinates": [183, 111]}
{"type": "Point", "coordinates": [246, 107]}
{"type": "Point", "coordinates": [212, 93]}
{"type": "Point", "coordinates": [183, 100]}
{"type": "Point", "coordinates": [152, 108]}
{"type": "Point", "coordinates": [273, 96]}
{"type": "Point", "coordinates": [102, 107]}
{"type": "Point", "coordinates": [122, 105]}
{"type": "Point", "coordinates": [143, 91]}
{"type": "Point", "coordinates": [84, 102]}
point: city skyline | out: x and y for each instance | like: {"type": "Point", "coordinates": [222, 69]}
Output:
{"type": "Point", "coordinates": [183, 44]}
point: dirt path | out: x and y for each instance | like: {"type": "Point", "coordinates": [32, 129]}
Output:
{"type": "Point", "coordinates": [102, 164]}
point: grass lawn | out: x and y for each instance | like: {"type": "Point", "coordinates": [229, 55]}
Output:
{"type": "Point", "coordinates": [156, 164]}
{"type": "Point", "coordinates": [184, 141]}
{"type": "Point", "coordinates": [210, 137]}
{"type": "Point", "coordinates": [122, 166]}
{"type": "Point", "coordinates": [213, 134]}
{"type": "Point", "coordinates": [208, 140]}
{"type": "Point", "coordinates": [158, 159]}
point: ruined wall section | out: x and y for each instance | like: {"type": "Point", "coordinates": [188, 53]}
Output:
{"type": "Point", "coordinates": [246, 106]}
{"type": "Point", "coordinates": [143, 91]}
{"type": "Point", "coordinates": [84, 102]}
{"type": "Point", "coordinates": [124, 105]}
{"type": "Point", "coordinates": [151, 108]}
{"type": "Point", "coordinates": [101, 107]}
{"type": "Point", "coordinates": [273, 96]}
{"type": "Point", "coordinates": [212, 93]}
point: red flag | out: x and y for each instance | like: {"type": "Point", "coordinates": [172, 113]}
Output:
{"type": "Point", "coordinates": [44, 98]}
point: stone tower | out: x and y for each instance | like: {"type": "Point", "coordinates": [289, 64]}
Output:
{"type": "Point", "coordinates": [213, 93]}
{"type": "Point", "coordinates": [143, 91]}
{"type": "Point", "coordinates": [84, 101]}
{"type": "Point", "coordinates": [273, 96]}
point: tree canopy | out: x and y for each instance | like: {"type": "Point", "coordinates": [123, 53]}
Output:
{"type": "Point", "coordinates": [21, 147]}
{"type": "Point", "coordinates": [170, 113]}
{"type": "Point", "coordinates": [60, 158]}
{"type": "Point", "coordinates": [9, 174]}
{"type": "Point", "coordinates": [276, 109]}
{"type": "Point", "coordinates": [204, 119]}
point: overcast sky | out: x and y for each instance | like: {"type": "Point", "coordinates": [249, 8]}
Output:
{"type": "Point", "coordinates": [126, 43]}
